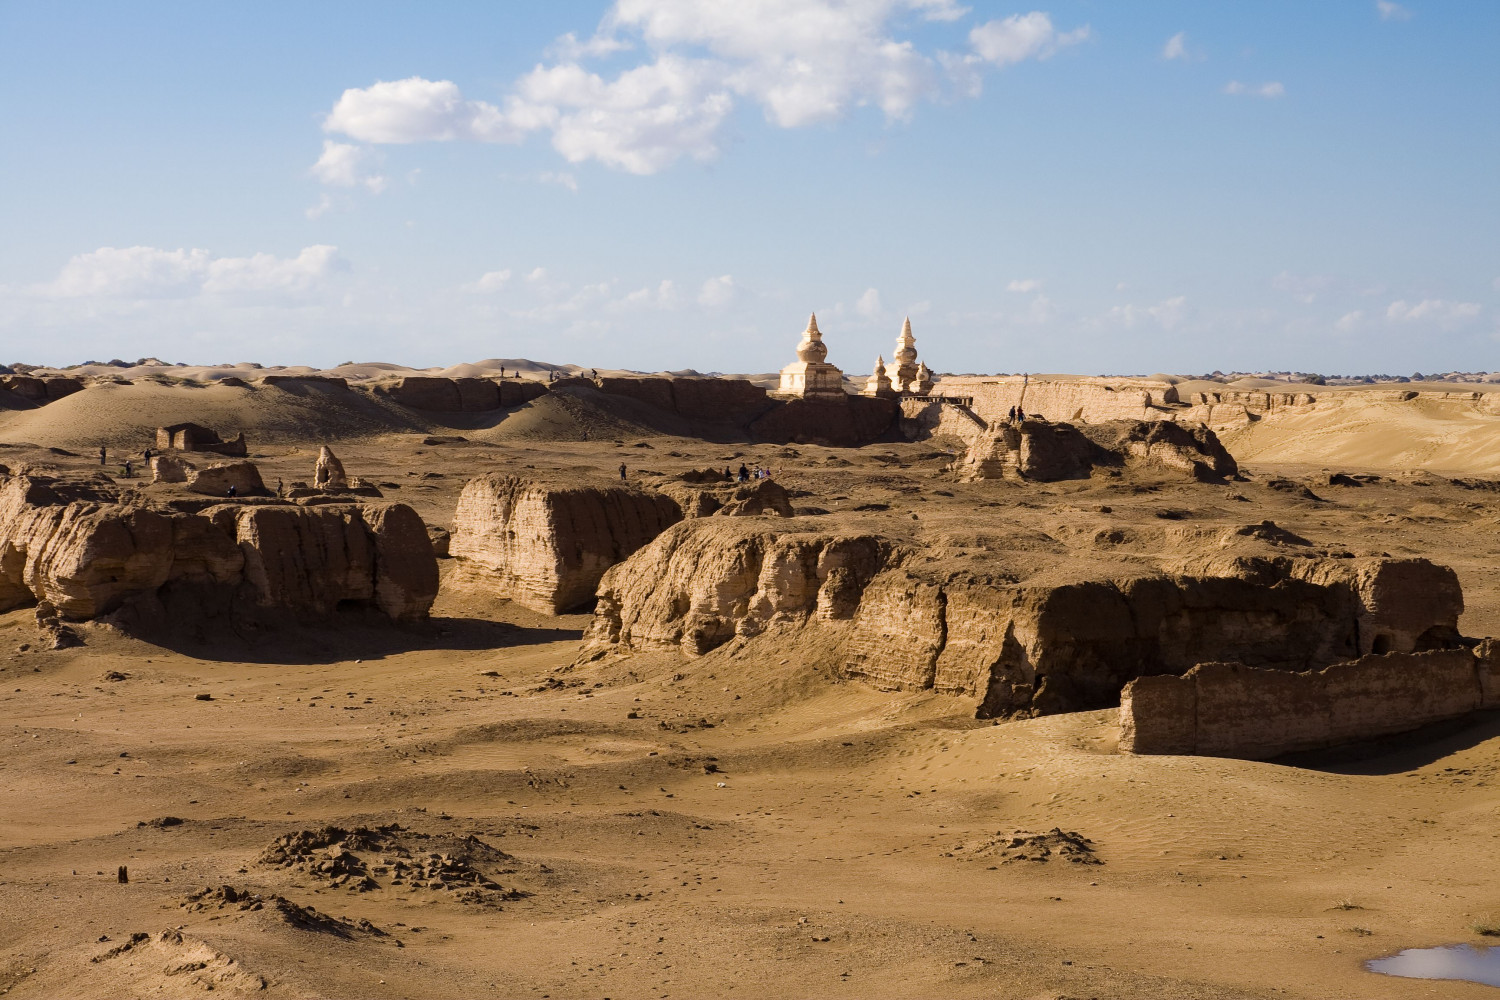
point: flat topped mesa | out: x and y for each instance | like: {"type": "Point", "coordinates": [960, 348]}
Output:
{"type": "Point", "coordinates": [811, 374]}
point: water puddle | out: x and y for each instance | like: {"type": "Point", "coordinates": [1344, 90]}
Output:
{"type": "Point", "coordinates": [1460, 961]}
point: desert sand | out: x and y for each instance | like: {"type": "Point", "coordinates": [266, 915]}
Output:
{"type": "Point", "coordinates": [520, 822]}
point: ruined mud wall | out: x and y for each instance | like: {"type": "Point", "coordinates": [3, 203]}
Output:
{"type": "Point", "coordinates": [88, 549]}
{"type": "Point", "coordinates": [1070, 400]}
{"type": "Point", "coordinates": [545, 544]}
{"type": "Point", "coordinates": [1233, 710]}
{"type": "Point", "coordinates": [900, 622]}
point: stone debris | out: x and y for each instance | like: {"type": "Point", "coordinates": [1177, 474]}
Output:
{"type": "Point", "coordinates": [390, 857]}
{"type": "Point", "coordinates": [1023, 845]}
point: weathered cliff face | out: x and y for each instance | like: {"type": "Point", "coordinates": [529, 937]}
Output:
{"type": "Point", "coordinates": [712, 579]}
{"type": "Point", "coordinates": [1232, 710]}
{"type": "Point", "coordinates": [546, 544]}
{"type": "Point", "coordinates": [40, 391]}
{"type": "Point", "coordinates": [87, 548]}
{"type": "Point", "coordinates": [1042, 451]}
{"type": "Point", "coordinates": [1013, 646]}
{"type": "Point", "coordinates": [841, 422]}
{"type": "Point", "coordinates": [217, 479]}
{"type": "Point", "coordinates": [462, 395]}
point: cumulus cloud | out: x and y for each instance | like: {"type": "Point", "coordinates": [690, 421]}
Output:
{"type": "Point", "coordinates": [1439, 311]}
{"type": "Point", "coordinates": [1390, 11]}
{"type": "Point", "coordinates": [490, 281]}
{"type": "Point", "coordinates": [1350, 321]}
{"type": "Point", "coordinates": [150, 273]}
{"type": "Point", "coordinates": [1176, 47]}
{"type": "Point", "coordinates": [1023, 285]}
{"type": "Point", "coordinates": [1269, 90]}
{"type": "Point", "coordinates": [417, 110]}
{"type": "Point", "coordinates": [1166, 314]}
{"type": "Point", "coordinates": [1021, 37]}
{"type": "Point", "coordinates": [342, 165]}
{"type": "Point", "coordinates": [664, 296]}
{"type": "Point", "coordinates": [560, 178]}
{"type": "Point", "coordinates": [802, 62]}
{"type": "Point", "coordinates": [717, 292]}
{"type": "Point", "coordinates": [868, 305]}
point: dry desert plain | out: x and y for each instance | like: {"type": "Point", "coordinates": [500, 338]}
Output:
{"type": "Point", "coordinates": [520, 821]}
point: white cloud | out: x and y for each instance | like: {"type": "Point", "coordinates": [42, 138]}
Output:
{"type": "Point", "coordinates": [324, 204]}
{"type": "Point", "coordinates": [1021, 37]}
{"type": "Point", "coordinates": [341, 165]}
{"type": "Point", "coordinates": [1304, 287]}
{"type": "Point", "coordinates": [1166, 314]}
{"type": "Point", "coordinates": [150, 273]}
{"type": "Point", "coordinates": [536, 275]}
{"type": "Point", "coordinates": [1390, 11]}
{"type": "Point", "coordinates": [560, 178]}
{"type": "Point", "coordinates": [802, 61]}
{"type": "Point", "coordinates": [1349, 322]}
{"type": "Point", "coordinates": [1023, 285]}
{"type": "Point", "coordinates": [664, 296]}
{"type": "Point", "coordinates": [1176, 47]}
{"type": "Point", "coordinates": [418, 110]}
{"type": "Point", "coordinates": [490, 281]}
{"type": "Point", "coordinates": [717, 292]}
{"type": "Point", "coordinates": [868, 305]}
{"type": "Point", "coordinates": [1269, 90]}
{"type": "Point", "coordinates": [1439, 311]}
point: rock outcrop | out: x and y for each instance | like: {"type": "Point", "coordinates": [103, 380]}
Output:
{"type": "Point", "coordinates": [893, 616]}
{"type": "Point", "coordinates": [545, 544]}
{"type": "Point", "coordinates": [1232, 710]}
{"type": "Point", "coordinates": [705, 495]}
{"type": "Point", "coordinates": [1043, 451]}
{"type": "Point", "coordinates": [218, 479]}
{"type": "Point", "coordinates": [88, 548]}
{"type": "Point", "coordinates": [171, 469]}
{"type": "Point", "coordinates": [39, 391]}
{"type": "Point", "coordinates": [328, 474]}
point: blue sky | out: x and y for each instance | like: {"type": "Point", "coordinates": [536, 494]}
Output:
{"type": "Point", "coordinates": [659, 184]}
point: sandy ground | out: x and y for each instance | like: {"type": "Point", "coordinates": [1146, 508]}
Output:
{"type": "Point", "coordinates": [732, 825]}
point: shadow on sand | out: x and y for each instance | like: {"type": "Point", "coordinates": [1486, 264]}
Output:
{"type": "Point", "coordinates": [351, 635]}
{"type": "Point", "coordinates": [1402, 751]}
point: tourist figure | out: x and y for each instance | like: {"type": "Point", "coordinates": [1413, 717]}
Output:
{"type": "Point", "coordinates": [502, 371]}
{"type": "Point", "coordinates": [146, 455]}
{"type": "Point", "coordinates": [595, 371]}
{"type": "Point", "coordinates": [728, 476]}
{"type": "Point", "coordinates": [233, 490]}
{"type": "Point", "coordinates": [103, 454]}
{"type": "Point", "coordinates": [1011, 415]}
{"type": "Point", "coordinates": [128, 472]}
{"type": "Point", "coordinates": [622, 470]}
{"type": "Point", "coordinates": [744, 473]}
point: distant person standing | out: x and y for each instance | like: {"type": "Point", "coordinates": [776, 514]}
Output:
{"type": "Point", "coordinates": [622, 470]}
{"type": "Point", "coordinates": [744, 473]}
{"type": "Point", "coordinates": [233, 490]}
{"type": "Point", "coordinates": [103, 454]}
{"type": "Point", "coordinates": [728, 476]}
{"type": "Point", "coordinates": [129, 473]}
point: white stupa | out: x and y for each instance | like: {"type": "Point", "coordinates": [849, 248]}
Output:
{"type": "Point", "coordinates": [904, 378]}
{"type": "Point", "coordinates": [811, 374]}
{"type": "Point", "coordinates": [879, 383]}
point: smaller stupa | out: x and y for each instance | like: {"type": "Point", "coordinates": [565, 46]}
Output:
{"type": "Point", "coordinates": [879, 383]}
{"type": "Point", "coordinates": [922, 384]}
{"type": "Point", "coordinates": [811, 374]}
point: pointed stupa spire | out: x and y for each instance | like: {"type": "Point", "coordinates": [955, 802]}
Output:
{"type": "Point", "coordinates": [811, 348]}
